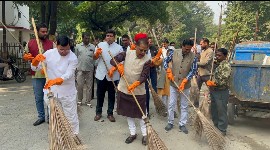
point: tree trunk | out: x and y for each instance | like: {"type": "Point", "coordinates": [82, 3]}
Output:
{"type": "Point", "coordinates": [4, 54]}
{"type": "Point", "coordinates": [53, 20]}
{"type": "Point", "coordinates": [48, 13]}
{"type": "Point", "coordinates": [43, 11]}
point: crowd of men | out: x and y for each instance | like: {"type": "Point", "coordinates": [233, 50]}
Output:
{"type": "Point", "coordinates": [135, 61]}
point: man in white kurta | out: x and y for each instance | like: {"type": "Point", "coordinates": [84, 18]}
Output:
{"type": "Point", "coordinates": [63, 68]}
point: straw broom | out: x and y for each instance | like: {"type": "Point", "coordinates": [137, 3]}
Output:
{"type": "Point", "coordinates": [214, 137]}
{"type": "Point", "coordinates": [159, 105]}
{"type": "Point", "coordinates": [154, 142]}
{"type": "Point", "coordinates": [60, 131]}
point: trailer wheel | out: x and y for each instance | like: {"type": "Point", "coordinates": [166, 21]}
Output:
{"type": "Point", "coordinates": [231, 113]}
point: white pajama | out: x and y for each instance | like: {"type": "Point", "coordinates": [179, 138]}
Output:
{"type": "Point", "coordinates": [62, 67]}
{"type": "Point", "coordinates": [132, 126]}
{"type": "Point", "coordinates": [183, 108]}
{"type": "Point", "coordinates": [69, 107]}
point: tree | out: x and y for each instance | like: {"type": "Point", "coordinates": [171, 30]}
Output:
{"type": "Point", "coordinates": [47, 12]}
{"type": "Point", "coordinates": [241, 15]}
{"type": "Point", "coordinates": [99, 16]}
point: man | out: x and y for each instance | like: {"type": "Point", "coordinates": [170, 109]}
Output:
{"type": "Point", "coordinates": [172, 44]}
{"type": "Point", "coordinates": [163, 83]}
{"type": "Point", "coordinates": [104, 82]}
{"type": "Point", "coordinates": [125, 42]}
{"type": "Point", "coordinates": [95, 43]}
{"type": "Point", "coordinates": [204, 65]}
{"type": "Point", "coordinates": [219, 90]}
{"type": "Point", "coordinates": [85, 69]}
{"type": "Point", "coordinates": [153, 74]}
{"type": "Point", "coordinates": [61, 64]}
{"type": "Point", "coordinates": [38, 78]}
{"type": "Point", "coordinates": [212, 45]}
{"type": "Point", "coordinates": [183, 67]}
{"type": "Point", "coordinates": [4, 64]}
{"type": "Point", "coordinates": [136, 75]}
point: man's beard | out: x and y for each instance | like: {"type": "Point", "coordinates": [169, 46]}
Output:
{"type": "Point", "coordinates": [43, 37]}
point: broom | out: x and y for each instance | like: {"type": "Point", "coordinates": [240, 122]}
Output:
{"type": "Point", "coordinates": [154, 142]}
{"type": "Point", "coordinates": [159, 105]}
{"type": "Point", "coordinates": [214, 137]}
{"type": "Point", "coordinates": [60, 130]}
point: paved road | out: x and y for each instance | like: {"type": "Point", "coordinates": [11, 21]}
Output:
{"type": "Point", "coordinates": [18, 112]}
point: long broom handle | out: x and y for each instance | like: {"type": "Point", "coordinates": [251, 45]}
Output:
{"type": "Point", "coordinates": [212, 68]}
{"type": "Point", "coordinates": [195, 38]}
{"type": "Point", "coordinates": [185, 95]}
{"type": "Point", "coordinates": [12, 35]}
{"type": "Point", "coordinates": [153, 31]}
{"type": "Point", "coordinates": [107, 68]}
{"type": "Point", "coordinates": [40, 48]}
{"type": "Point", "coordinates": [128, 86]}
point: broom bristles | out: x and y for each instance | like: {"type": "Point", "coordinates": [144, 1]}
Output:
{"type": "Point", "coordinates": [61, 134]}
{"type": "Point", "coordinates": [214, 137]}
{"type": "Point", "coordinates": [154, 142]}
{"type": "Point", "coordinates": [159, 105]}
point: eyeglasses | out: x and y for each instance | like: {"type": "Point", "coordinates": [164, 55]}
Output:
{"type": "Point", "coordinates": [109, 35]}
{"type": "Point", "coordinates": [145, 51]}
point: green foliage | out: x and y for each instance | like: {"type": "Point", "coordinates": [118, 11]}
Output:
{"type": "Point", "coordinates": [184, 17]}
{"type": "Point", "coordinates": [102, 15]}
{"type": "Point", "coordinates": [241, 15]}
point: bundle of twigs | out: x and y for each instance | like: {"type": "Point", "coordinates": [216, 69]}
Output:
{"type": "Point", "coordinates": [60, 131]}
{"type": "Point", "coordinates": [214, 137]}
{"type": "Point", "coordinates": [159, 105]}
{"type": "Point", "coordinates": [154, 142]}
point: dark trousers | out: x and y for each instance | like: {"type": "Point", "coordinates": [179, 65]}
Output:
{"type": "Point", "coordinates": [93, 84]}
{"type": "Point", "coordinates": [200, 80]}
{"type": "Point", "coordinates": [103, 86]}
{"type": "Point", "coordinates": [153, 78]}
{"type": "Point", "coordinates": [219, 101]}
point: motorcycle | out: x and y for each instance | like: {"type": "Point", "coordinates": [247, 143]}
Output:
{"type": "Point", "coordinates": [13, 72]}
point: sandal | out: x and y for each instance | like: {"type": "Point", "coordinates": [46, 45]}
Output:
{"type": "Point", "coordinates": [131, 138]}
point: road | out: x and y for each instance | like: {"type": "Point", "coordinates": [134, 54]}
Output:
{"type": "Point", "coordinates": [18, 112]}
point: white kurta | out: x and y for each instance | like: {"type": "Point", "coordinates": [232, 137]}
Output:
{"type": "Point", "coordinates": [101, 71]}
{"type": "Point", "coordinates": [66, 93]}
{"type": "Point", "coordinates": [63, 67]}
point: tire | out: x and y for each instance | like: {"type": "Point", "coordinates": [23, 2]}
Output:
{"type": "Point", "coordinates": [231, 113]}
{"type": "Point", "coordinates": [20, 77]}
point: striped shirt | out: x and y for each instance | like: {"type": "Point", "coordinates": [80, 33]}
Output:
{"type": "Point", "coordinates": [194, 66]}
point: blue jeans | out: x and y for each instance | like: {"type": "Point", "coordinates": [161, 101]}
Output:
{"type": "Point", "coordinates": [38, 85]}
{"type": "Point", "coordinates": [153, 77]}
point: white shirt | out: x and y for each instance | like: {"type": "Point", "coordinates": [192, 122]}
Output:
{"type": "Point", "coordinates": [101, 71]}
{"type": "Point", "coordinates": [58, 66]}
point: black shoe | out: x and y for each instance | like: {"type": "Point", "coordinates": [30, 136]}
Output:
{"type": "Point", "coordinates": [131, 138]}
{"type": "Point", "coordinates": [169, 127]}
{"type": "Point", "coordinates": [144, 140]}
{"type": "Point", "coordinates": [183, 129]}
{"type": "Point", "coordinates": [38, 122]}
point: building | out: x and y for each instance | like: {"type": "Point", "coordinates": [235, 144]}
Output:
{"type": "Point", "coordinates": [18, 31]}
{"type": "Point", "coordinates": [17, 22]}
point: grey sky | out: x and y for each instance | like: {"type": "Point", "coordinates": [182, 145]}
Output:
{"type": "Point", "coordinates": [216, 9]}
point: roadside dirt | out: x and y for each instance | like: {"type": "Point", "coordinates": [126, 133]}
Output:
{"type": "Point", "coordinates": [18, 112]}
